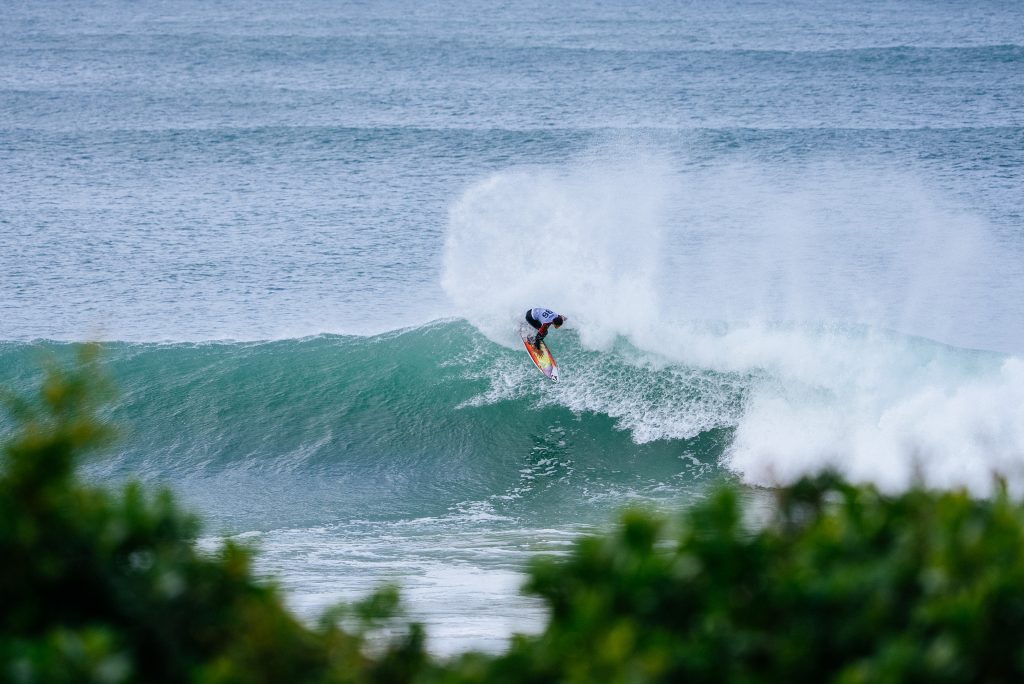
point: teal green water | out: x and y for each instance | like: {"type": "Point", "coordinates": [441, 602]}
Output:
{"type": "Point", "coordinates": [401, 425]}
{"type": "Point", "coordinates": [431, 457]}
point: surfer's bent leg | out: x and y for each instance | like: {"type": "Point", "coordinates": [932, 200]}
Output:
{"type": "Point", "coordinates": [532, 321]}
{"type": "Point", "coordinates": [542, 332]}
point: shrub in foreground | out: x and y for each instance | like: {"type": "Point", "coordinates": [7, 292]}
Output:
{"type": "Point", "coordinates": [841, 584]}
{"type": "Point", "coordinates": [100, 586]}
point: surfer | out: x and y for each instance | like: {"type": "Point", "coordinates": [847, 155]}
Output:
{"type": "Point", "coordinates": [541, 319]}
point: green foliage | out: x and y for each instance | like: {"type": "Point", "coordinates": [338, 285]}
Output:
{"type": "Point", "coordinates": [841, 584]}
{"type": "Point", "coordinates": [835, 583]}
{"type": "Point", "coordinates": [102, 587]}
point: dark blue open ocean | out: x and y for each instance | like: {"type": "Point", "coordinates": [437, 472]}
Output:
{"type": "Point", "coordinates": [787, 235]}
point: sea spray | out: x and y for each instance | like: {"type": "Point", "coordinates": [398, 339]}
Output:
{"type": "Point", "coordinates": [838, 301]}
{"type": "Point", "coordinates": [584, 240]}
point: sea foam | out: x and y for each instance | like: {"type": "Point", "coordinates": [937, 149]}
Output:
{"type": "Point", "coordinates": [836, 305]}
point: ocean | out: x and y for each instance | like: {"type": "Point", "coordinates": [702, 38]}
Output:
{"type": "Point", "coordinates": [787, 237]}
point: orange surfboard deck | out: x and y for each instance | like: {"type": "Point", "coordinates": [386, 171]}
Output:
{"type": "Point", "coordinates": [543, 359]}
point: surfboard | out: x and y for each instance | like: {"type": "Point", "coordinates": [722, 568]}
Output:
{"type": "Point", "coordinates": [543, 359]}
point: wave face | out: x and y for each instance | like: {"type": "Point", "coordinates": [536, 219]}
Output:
{"type": "Point", "coordinates": [402, 425]}
{"type": "Point", "coordinates": [440, 419]}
